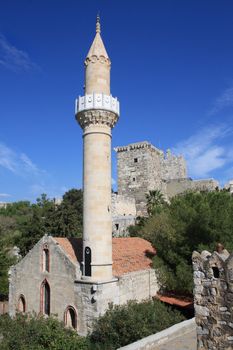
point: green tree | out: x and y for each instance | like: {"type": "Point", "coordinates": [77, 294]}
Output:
{"type": "Point", "coordinates": [66, 219]}
{"type": "Point", "coordinates": [124, 324]}
{"type": "Point", "coordinates": [192, 221]}
{"type": "Point", "coordinates": [155, 200]}
{"type": "Point", "coordinates": [6, 260]}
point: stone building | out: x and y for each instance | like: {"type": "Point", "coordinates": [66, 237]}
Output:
{"type": "Point", "coordinates": [213, 299]}
{"type": "Point", "coordinates": [77, 278]}
{"type": "Point", "coordinates": [48, 280]}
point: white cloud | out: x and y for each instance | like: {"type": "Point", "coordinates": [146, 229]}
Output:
{"type": "Point", "coordinates": [37, 180]}
{"type": "Point", "coordinates": [5, 195]}
{"type": "Point", "coordinates": [205, 152]}
{"type": "Point", "coordinates": [17, 163]}
{"type": "Point", "coordinates": [28, 164]}
{"type": "Point", "coordinates": [13, 58]}
{"type": "Point", "coordinates": [223, 101]}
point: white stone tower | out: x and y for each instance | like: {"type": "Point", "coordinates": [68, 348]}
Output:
{"type": "Point", "coordinates": [97, 112]}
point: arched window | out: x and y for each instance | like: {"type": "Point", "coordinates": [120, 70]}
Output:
{"type": "Point", "coordinates": [45, 298]}
{"type": "Point", "coordinates": [71, 317]}
{"type": "Point", "coordinates": [21, 304]}
{"type": "Point", "coordinates": [87, 261]}
{"type": "Point", "coordinates": [46, 259]}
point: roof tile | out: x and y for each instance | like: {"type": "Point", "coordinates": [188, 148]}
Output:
{"type": "Point", "coordinates": [130, 254]}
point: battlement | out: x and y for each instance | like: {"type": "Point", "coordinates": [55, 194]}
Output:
{"type": "Point", "coordinates": [137, 145]}
{"type": "Point", "coordinates": [213, 297]}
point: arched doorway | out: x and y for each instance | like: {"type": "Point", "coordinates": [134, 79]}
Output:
{"type": "Point", "coordinates": [21, 304]}
{"type": "Point", "coordinates": [71, 317]}
{"type": "Point", "coordinates": [45, 298]}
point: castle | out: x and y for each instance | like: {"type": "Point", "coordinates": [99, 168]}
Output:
{"type": "Point", "coordinates": [142, 167]}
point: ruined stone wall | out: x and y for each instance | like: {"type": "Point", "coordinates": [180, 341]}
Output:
{"type": "Point", "coordinates": [120, 225]}
{"type": "Point", "coordinates": [173, 167]}
{"type": "Point", "coordinates": [178, 186]}
{"type": "Point", "coordinates": [123, 214]}
{"type": "Point", "coordinates": [143, 167]}
{"type": "Point", "coordinates": [213, 300]}
{"type": "Point", "coordinates": [139, 170]}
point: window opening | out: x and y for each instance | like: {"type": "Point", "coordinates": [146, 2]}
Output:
{"type": "Point", "coordinates": [135, 160]}
{"type": "Point", "coordinates": [46, 260]}
{"type": "Point", "coordinates": [117, 226]}
{"type": "Point", "coordinates": [45, 296]}
{"type": "Point", "coordinates": [215, 272]}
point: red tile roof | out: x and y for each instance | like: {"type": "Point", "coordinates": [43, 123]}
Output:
{"type": "Point", "coordinates": [129, 253]}
{"type": "Point", "coordinates": [178, 301]}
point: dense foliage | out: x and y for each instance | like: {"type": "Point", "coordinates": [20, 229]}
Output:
{"type": "Point", "coordinates": [37, 333]}
{"type": "Point", "coordinates": [124, 324]}
{"type": "Point", "coordinates": [193, 221]}
{"type": "Point", "coordinates": [24, 223]}
{"type": "Point", "coordinates": [120, 325]}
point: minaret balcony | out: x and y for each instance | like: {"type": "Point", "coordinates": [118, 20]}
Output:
{"type": "Point", "coordinates": [97, 101]}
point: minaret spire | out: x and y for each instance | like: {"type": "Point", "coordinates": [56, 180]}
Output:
{"type": "Point", "coordinates": [97, 63]}
{"type": "Point", "coordinates": [98, 29]}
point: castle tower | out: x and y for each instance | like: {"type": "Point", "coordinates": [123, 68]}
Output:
{"type": "Point", "coordinates": [97, 112]}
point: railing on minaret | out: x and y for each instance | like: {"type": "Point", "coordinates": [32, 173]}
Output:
{"type": "Point", "coordinates": [97, 112]}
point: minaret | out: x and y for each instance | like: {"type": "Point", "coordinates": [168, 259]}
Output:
{"type": "Point", "coordinates": [97, 112]}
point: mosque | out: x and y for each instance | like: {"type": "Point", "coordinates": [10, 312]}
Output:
{"type": "Point", "coordinates": [76, 278]}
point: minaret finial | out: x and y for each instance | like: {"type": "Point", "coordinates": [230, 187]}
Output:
{"type": "Point", "coordinates": [98, 23]}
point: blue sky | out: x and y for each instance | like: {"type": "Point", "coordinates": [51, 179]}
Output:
{"type": "Point", "coordinates": [172, 70]}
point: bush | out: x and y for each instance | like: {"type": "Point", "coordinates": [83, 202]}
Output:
{"type": "Point", "coordinates": [192, 221]}
{"type": "Point", "coordinates": [124, 324]}
{"type": "Point", "coordinates": [26, 332]}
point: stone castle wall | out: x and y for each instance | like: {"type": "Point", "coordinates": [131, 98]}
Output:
{"type": "Point", "coordinates": [173, 167]}
{"type": "Point", "coordinates": [178, 186]}
{"type": "Point", "coordinates": [213, 299]}
{"type": "Point", "coordinates": [123, 214]}
{"type": "Point", "coordinates": [143, 167]}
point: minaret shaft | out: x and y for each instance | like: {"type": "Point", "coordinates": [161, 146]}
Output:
{"type": "Point", "coordinates": [97, 228]}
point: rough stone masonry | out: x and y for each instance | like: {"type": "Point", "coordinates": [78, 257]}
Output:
{"type": "Point", "coordinates": [213, 299]}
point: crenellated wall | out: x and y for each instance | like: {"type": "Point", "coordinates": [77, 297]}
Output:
{"type": "Point", "coordinates": [143, 167]}
{"type": "Point", "coordinates": [213, 299]}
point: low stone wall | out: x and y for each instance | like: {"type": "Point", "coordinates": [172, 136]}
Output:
{"type": "Point", "coordinates": [213, 299]}
{"type": "Point", "coordinates": [162, 337]}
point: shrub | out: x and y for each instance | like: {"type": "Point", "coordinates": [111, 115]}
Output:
{"type": "Point", "coordinates": [124, 324]}
{"type": "Point", "coordinates": [26, 332]}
